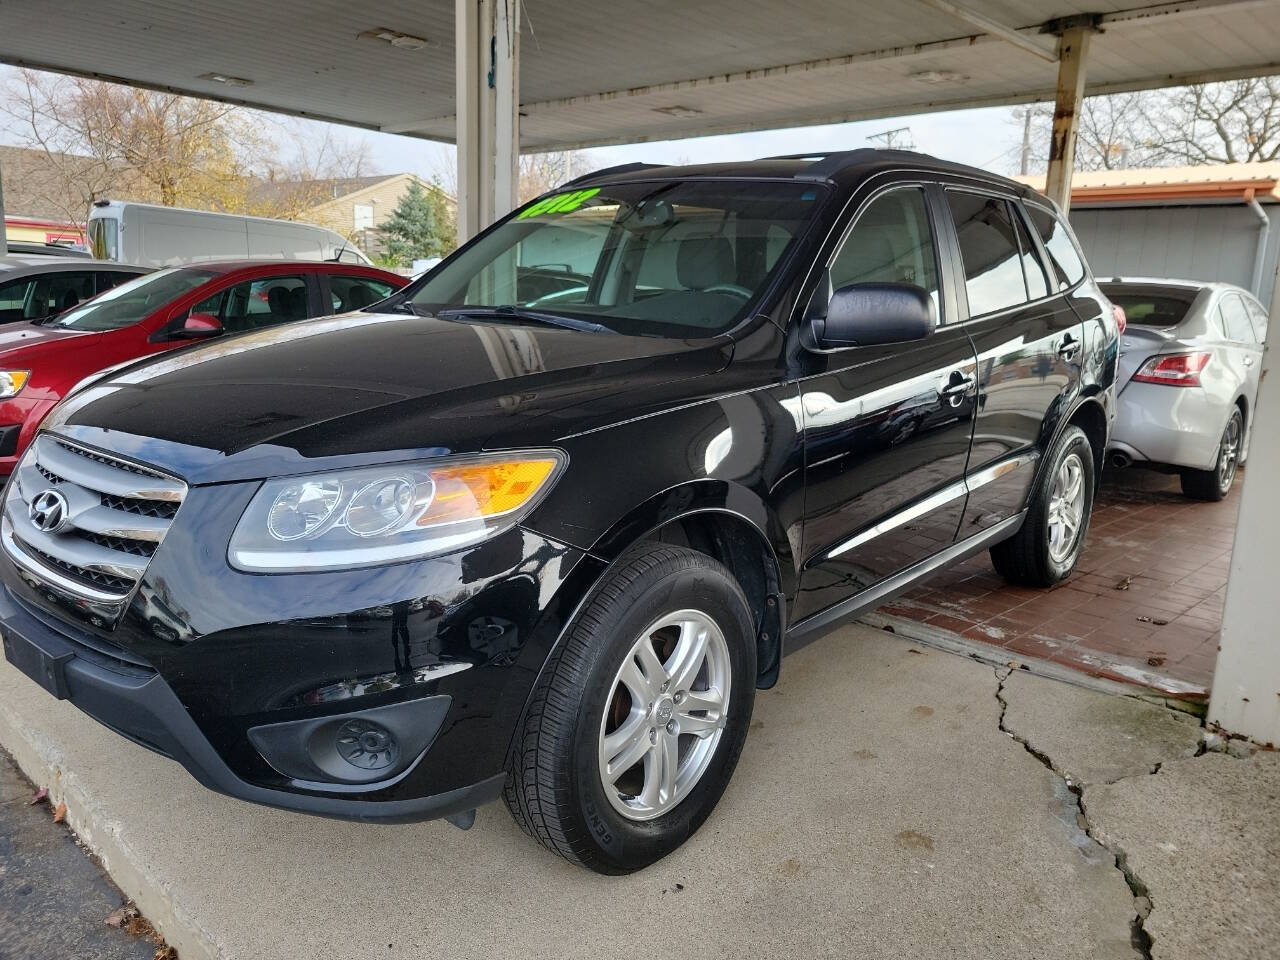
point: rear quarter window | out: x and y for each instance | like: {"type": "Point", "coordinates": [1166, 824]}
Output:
{"type": "Point", "coordinates": [1064, 258]}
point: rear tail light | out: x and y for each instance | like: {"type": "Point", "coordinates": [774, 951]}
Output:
{"type": "Point", "coordinates": [1173, 369]}
{"type": "Point", "coordinates": [1117, 311]}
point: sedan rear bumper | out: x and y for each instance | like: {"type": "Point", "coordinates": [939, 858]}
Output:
{"type": "Point", "coordinates": [1181, 426]}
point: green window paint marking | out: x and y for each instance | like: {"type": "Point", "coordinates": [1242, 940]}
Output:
{"type": "Point", "coordinates": [560, 203]}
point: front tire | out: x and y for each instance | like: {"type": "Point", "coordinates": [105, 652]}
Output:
{"type": "Point", "coordinates": [1215, 484]}
{"type": "Point", "coordinates": [636, 724]}
{"type": "Point", "coordinates": [1045, 549]}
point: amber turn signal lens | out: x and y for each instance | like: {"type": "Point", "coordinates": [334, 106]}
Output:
{"type": "Point", "coordinates": [482, 490]}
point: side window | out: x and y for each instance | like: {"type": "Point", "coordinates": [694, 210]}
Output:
{"type": "Point", "coordinates": [112, 278]}
{"type": "Point", "coordinates": [58, 292]}
{"type": "Point", "coordinates": [1235, 320]}
{"type": "Point", "coordinates": [1032, 268]}
{"type": "Point", "coordinates": [12, 297]}
{"type": "Point", "coordinates": [892, 242]}
{"type": "Point", "coordinates": [1065, 259]}
{"type": "Point", "coordinates": [1258, 316]}
{"type": "Point", "coordinates": [356, 293]}
{"type": "Point", "coordinates": [989, 250]}
{"type": "Point", "coordinates": [257, 303]}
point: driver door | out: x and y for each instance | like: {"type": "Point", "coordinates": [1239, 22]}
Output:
{"type": "Point", "coordinates": [886, 429]}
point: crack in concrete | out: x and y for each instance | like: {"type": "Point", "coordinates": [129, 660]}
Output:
{"type": "Point", "coordinates": [1138, 936]}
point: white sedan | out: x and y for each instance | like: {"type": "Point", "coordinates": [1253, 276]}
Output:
{"type": "Point", "coordinates": [1189, 363]}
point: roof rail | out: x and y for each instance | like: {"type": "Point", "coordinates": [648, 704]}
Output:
{"type": "Point", "coordinates": [609, 171]}
{"type": "Point", "coordinates": [832, 163]}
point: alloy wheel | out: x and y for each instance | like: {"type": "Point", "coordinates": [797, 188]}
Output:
{"type": "Point", "coordinates": [665, 715]}
{"type": "Point", "coordinates": [1229, 453]}
{"type": "Point", "coordinates": [1066, 508]}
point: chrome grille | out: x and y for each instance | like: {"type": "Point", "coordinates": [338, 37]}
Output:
{"type": "Point", "coordinates": [116, 515]}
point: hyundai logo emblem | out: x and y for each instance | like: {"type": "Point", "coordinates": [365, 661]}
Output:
{"type": "Point", "coordinates": [48, 511]}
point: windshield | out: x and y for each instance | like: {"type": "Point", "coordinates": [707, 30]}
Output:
{"type": "Point", "coordinates": [1152, 308]}
{"type": "Point", "coordinates": [675, 259]}
{"type": "Point", "coordinates": [130, 302]}
{"type": "Point", "coordinates": [102, 238]}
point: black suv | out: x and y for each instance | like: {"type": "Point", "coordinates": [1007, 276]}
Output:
{"type": "Point", "coordinates": [539, 525]}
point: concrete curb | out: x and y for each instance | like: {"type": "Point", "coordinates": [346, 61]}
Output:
{"type": "Point", "coordinates": [1170, 693]}
{"type": "Point", "coordinates": [44, 764]}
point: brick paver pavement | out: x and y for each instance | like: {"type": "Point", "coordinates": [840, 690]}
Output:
{"type": "Point", "coordinates": [1146, 596]}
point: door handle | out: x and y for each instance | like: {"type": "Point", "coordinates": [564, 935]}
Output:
{"type": "Point", "coordinates": [957, 385]}
{"type": "Point", "coordinates": [1069, 348]}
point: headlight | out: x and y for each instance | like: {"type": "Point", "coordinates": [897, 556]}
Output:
{"type": "Point", "coordinates": [12, 382]}
{"type": "Point", "coordinates": [376, 515]}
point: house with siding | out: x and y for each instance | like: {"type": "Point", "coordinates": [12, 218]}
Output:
{"type": "Point", "coordinates": [356, 207]}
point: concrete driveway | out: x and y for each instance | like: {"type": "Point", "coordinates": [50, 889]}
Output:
{"type": "Point", "coordinates": [892, 801]}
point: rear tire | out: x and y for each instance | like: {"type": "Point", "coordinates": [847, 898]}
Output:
{"type": "Point", "coordinates": [1045, 549]}
{"type": "Point", "coordinates": [1213, 485]}
{"type": "Point", "coordinates": [579, 780]}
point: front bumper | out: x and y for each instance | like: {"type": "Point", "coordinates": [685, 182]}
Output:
{"type": "Point", "coordinates": [235, 675]}
{"type": "Point", "coordinates": [1181, 426]}
{"type": "Point", "coordinates": [144, 709]}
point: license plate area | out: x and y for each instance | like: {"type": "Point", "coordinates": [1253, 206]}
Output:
{"type": "Point", "coordinates": [46, 667]}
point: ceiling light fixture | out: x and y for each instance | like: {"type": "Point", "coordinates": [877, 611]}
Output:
{"type": "Point", "coordinates": [682, 113]}
{"type": "Point", "coordinates": [939, 76]}
{"type": "Point", "coordinates": [404, 41]}
{"type": "Point", "coordinates": [226, 79]}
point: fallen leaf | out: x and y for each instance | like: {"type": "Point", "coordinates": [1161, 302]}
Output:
{"type": "Point", "coordinates": [60, 814]}
{"type": "Point", "coordinates": [1124, 584]}
{"type": "Point", "coordinates": [41, 795]}
{"type": "Point", "coordinates": [122, 915]}
{"type": "Point", "coordinates": [166, 953]}
{"type": "Point", "coordinates": [1155, 661]}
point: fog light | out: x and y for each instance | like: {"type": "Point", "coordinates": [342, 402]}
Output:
{"type": "Point", "coordinates": [358, 747]}
{"type": "Point", "coordinates": [367, 745]}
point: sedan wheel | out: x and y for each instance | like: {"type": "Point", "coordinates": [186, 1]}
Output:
{"type": "Point", "coordinates": [1215, 483]}
{"type": "Point", "coordinates": [1229, 452]}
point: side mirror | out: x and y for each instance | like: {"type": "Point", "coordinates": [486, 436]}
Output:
{"type": "Point", "coordinates": [866, 314]}
{"type": "Point", "coordinates": [198, 326]}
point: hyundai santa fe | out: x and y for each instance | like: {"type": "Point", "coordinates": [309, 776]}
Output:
{"type": "Point", "coordinates": [539, 525]}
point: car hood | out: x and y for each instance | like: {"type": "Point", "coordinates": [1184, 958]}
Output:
{"type": "Point", "coordinates": [364, 385]}
{"type": "Point", "coordinates": [20, 336]}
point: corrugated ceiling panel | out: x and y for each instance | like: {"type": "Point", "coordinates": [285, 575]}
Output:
{"type": "Point", "coordinates": [306, 56]}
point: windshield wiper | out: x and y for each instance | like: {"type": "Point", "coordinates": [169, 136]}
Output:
{"type": "Point", "coordinates": [510, 312]}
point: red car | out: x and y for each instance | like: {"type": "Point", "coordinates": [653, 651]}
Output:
{"type": "Point", "coordinates": [41, 361]}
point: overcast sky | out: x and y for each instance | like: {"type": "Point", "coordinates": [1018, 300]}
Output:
{"type": "Point", "coordinates": [984, 138]}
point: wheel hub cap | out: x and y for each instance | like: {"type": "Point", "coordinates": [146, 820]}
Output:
{"type": "Point", "coordinates": [665, 715]}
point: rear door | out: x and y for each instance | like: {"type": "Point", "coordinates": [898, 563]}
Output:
{"type": "Point", "coordinates": [343, 292]}
{"type": "Point", "coordinates": [1245, 346]}
{"type": "Point", "coordinates": [261, 302]}
{"type": "Point", "coordinates": [886, 428]}
{"type": "Point", "coordinates": [1029, 344]}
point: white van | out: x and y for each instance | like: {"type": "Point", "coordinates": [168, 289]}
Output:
{"type": "Point", "coordinates": [154, 236]}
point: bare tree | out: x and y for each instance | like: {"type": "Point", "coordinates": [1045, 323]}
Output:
{"type": "Point", "coordinates": [1233, 122]}
{"type": "Point", "coordinates": [102, 139]}
{"type": "Point", "coordinates": [540, 172]}
{"type": "Point", "coordinates": [1115, 132]}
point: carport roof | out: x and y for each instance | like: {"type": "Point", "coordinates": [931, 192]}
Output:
{"type": "Point", "coordinates": [594, 74]}
{"type": "Point", "coordinates": [1171, 185]}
